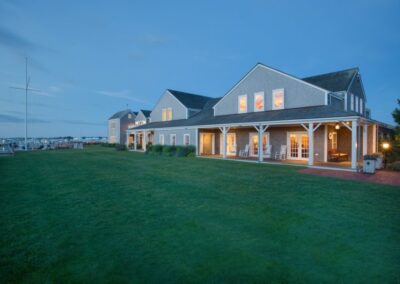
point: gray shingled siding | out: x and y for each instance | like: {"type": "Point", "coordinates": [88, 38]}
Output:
{"type": "Point", "coordinates": [140, 117]}
{"type": "Point", "coordinates": [166, 101]}
{"type": "Point", "coordinates": [113, 137]}
{"type": "Point", "coordinates": [357, 91]}
{"type": "Point", "coordinates": [179, 136]}
{"type": "Point", "coordinates": [337, 103]}
{"type": "Point", "coordinates": [297, 94]}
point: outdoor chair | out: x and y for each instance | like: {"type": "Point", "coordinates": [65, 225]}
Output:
{"type": "Point", "coordinates": [244, 152]}
{"type": "Point", "coordinates": [267, 152]}
{"type": "Point", "coordinates": [282, 153]}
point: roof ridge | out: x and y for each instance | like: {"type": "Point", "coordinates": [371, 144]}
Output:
{"type": "Point", "coordinates": [187, 93]}
{"type": "Point", "coordinates": [333, 72]}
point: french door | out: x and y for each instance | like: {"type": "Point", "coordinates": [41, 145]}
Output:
{"type": "Point", "coordinates": [298, 145]}
{"type": "Point", "coordinates": [253, 138]}
{"type": "Point", "coordinates": [230, 144]}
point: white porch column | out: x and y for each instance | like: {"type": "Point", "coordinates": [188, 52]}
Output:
{"type": "Point", "coordinates": [326, 143]}
{"type": "Point", "coordinates": [144, 140]}
{"type": "Point", "coordinates": [374, 140]}
{"type": "Point", "coordinates": [310, 143]}
{"type": "Point", "coordinates": [127, 138]}
{"type": "Point", "coordinates": [135, 140]}
{"type": "Point", "coordinates": [260, 145]}
{"type": "Point", "coordinates": [365, 139]}
{"type": "Point", "coordinates": [354, 144]}
{"type": "Point", "coordinates": [224, 132]}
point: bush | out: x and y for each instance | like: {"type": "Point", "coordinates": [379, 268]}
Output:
{"type": "Point", "coordinates": [169, 150]}
{"type": "Point", "coordinates": [181, 151]}
{"type": "Point", "coordinates": [111, 145]}
{"type": "Point", "coordinates": [120, 147]}
{"type": "Point", "coordinates": [394, 166]}
{"type": "Point", "coordinates": [157, 149]}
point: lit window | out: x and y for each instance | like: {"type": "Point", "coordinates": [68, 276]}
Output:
{"type": "Point", "coordinates": [172, 139]}
{"type": "Point", "coordinates": [351, 102]}
{"type": "Point", "coordinates": [169, 113]}
{"type": "Point", "coordinates": [164, 114]}
{"type": "Point", "coordinates": [259, 101]}
{"type": "Point", "coordinates": [186, 139]}
{"type": "Point", "coordinates": [242, 103]}
{"type": "Point", "coordinates": [161, 139]}
{"type": "Point", "coordinates": [278, 99]}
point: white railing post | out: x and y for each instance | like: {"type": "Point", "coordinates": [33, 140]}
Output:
{"type": "Point", "coordinates": [310, 144]}
{"type": "Point", "coordinates": [144, 140]}
{"type": "Point", "coordinates": [354, 144]}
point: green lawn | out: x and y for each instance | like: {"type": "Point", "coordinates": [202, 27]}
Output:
{"type": "Point", "coordinates": [104, 216]}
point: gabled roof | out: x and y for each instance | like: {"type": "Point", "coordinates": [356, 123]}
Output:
{"type": "Point", "coordinates": [122, 113]}
{"type": "Point", "coordinates": [191, 101]}
{"type": "Point", "coordinates": [334, 81]}
{"type": "Point", "coordinates": [146, 113]}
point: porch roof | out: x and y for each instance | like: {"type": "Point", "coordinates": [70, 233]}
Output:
{"type": "Point", "coordinates": [206, 117]}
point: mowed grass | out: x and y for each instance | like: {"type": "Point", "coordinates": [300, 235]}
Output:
{"type": "Point", "coordinates": [104, 216]}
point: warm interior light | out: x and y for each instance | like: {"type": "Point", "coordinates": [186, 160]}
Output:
{"type": "Point", "coordinates": [337, 126]}
{"type": "Point", "coordinates": [385, 145]}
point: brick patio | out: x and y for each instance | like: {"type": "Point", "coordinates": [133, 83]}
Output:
{"type": "Point", "coordinates": [381, 177]}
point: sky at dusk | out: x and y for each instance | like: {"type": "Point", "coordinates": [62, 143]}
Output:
{"type": "Point", "coordinates": [92, 58]}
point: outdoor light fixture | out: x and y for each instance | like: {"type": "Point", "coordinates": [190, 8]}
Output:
{"type": "Point", "coordinates": [337, 126]}
{"type": "Point", "coordinates": [385, 145]}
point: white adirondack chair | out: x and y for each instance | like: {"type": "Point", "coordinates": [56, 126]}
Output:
{"type": "Point", "coordinates": [244, 152]}
{"type": "Point", "coordinates": [267, 153]}
{"type": "Point", "coordinates": [282, 153]}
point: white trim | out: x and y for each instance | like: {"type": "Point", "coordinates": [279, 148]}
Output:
{"type": "Point", "coordinates": [247, 107]}
{"type": "Point", "coordinates": [186, 135]}
{"type": "Point", "coordinates": [271, 69]}
{"type": "Point", "coordinates": [261, 93]}
{"type": "Point", "coordinates": [277, 91]}
{"type": "Point", "coordinates": [170, 139]}
{"type": "Point", "coordinates": [270, 123]}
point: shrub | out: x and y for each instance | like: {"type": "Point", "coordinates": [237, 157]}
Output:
{"type": "Point", "coordinates": [370, 157]}
{"type": "Point", "coordinates": [157, 149]}
{"type": "Point", "coordinates": [120, 147]}
{"type": "Point", "coordinates": [394, 166]}
{"type": "Point", "coordinates": [169, 150]}
{"type": "Point", "coordinates": [191, 151]}
{"type": "Point", "coordinates": [139, 147]}
{"type": "Point", "coordinates": [149, 148]}
{"type": "Point", "coordinates": [181, 151]}
{"type": "Point", "coordinates": [111, 145]}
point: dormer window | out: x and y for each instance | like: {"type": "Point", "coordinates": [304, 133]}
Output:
{"type": "Point", "coordinates": [278, 99]}
{"type": "Point", "coordinates": [242, 103]}
{"type": "Point", "coordinates": [130, 116]}
{"type": "Point", "coordinates": [259, 101]}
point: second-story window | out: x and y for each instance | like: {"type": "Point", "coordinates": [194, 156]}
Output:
{"type": "Point", "coordinates": [166, 114]}
{"type": "Point", "coordinates": [169, 113]}
{"type": "Point", "coordinates": [351, 102]}
{"type": "Point", "coordinates": [356, 102]}
{"type": "Point", "coordinates": [259, 101]}
{"type": "Point", "coordinates": [242, 101]}
{"type": "Point", "coordinates": [361, 105]}
{"type": "Point", "coordinates": [278, 99]}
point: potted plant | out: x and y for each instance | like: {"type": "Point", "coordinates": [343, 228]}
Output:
{"type": "Point", "coordinates": [379, 160]}
{"type": "Point", "coordinates": [369, 164]}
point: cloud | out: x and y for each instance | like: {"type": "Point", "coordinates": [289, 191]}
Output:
{"type": "Point", "coordinates": [5, 118]}
{"type": "Point", "coordinates": [124, 94]}
{"type": "Point", "coordinates": [13, 40]}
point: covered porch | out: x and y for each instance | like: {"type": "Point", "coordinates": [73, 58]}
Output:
{"type": "Point", "coordinates": [338, 144]}
{"type": "Point", "coordinates": [138, 140]}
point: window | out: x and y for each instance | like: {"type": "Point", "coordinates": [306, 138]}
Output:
{"type": "Point", "coordinates": [356, 102]}
{"type": "Point", "coordinates": [242, 103]}
{"type": "Point", "coordinates": [333, 140]}
{"type": "Point", "coordinates": [169, 113]}
{"type": "Point", "coordinates": [361, 106]}
{"type": "Point", "coordinates": [278, 99]}
{"type": "Point", "coordinates": [161, 138]}
{"type": "Point", "coordinates": [351, 102]}
{"type": "Point", "coordinates": [129, 116]}
{"type": "Point", "coordinates": [259, 101]}
{"type": "Point", "coordinates": [172, 139]}
{"type": "Point", "coordinates": [186, 139]}
{"type": "Point", "coordinates": [166, 114]}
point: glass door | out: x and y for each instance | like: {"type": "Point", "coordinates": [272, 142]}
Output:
{"type": "Point", "coordinates": [253, 139]}
{"type": "Point", "coordinates": [298, 146]}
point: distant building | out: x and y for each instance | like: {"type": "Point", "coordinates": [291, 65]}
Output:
{"type": "Point", "coordinates": [118, 124]}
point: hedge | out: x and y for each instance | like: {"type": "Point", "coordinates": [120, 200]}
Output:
{"type": "Point", "coordinates": [171, 150]}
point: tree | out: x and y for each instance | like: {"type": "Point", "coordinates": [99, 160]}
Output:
{"type": "Point", "coordinates": [396, 114]}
